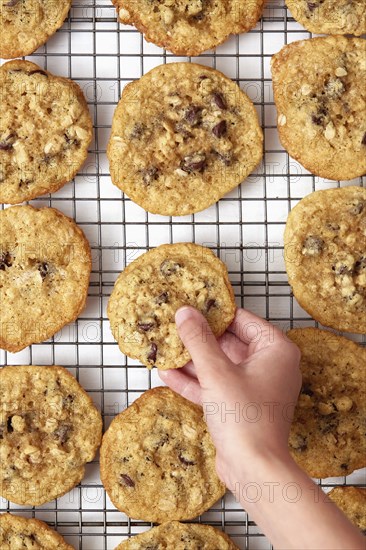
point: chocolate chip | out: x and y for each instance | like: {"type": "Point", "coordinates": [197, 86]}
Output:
{"type": "Point", "coordinates": [67, 401]}
{"type": "Point", "coordinates": [220, 129]}
{"type": "Point", "coordinates": [145, 327]}
{"type": "Point", "coordinates": [363, 140]}
{"type": "Point", "coordinates": [9, 426]}
{"type": "Point", "coordinates": [137, 130]}
{"type": "Point", "coordinates": [210, 304]}
{"type": "Point", "coordinates": [127, 481]}
{"type": "Point", "coordinates": [38, 71]}
{"type": "Point", "coordinates": [44, 270]}
{"type": "Point", "coordinates": [7, 143]}
{"type": "Point", "coordinates": [11, 3]}
{"type": "Point", "coordinates": [198, 16]}
{"type": "Point", "coordinates": [313, 245]}
{"type": "Point", "coordinates": [152, 353]}
{"type": "Point", "coordinates": [149, 175]}
{"type": "Point", "coordinates": [318, 118]}
{"type": "Point", "coordinates": [193, 115]}
{"type": "Point", "coordinates": [194, 163]}
{"type": "Point", "coordinates": [163, 298]}
{"type": "Point", "coordinates": [62, 433]}
{"type": "Point", "coordinates": [168, 268]}
{"type": "Point", "coordinates": [203, 77]}
{"type": "Point", "coordinates": [185, 461]}
{"type": "Point", "coordinates": [306, 390]}
{"type": "Point", "coordinates": [312, 6]}
{"type": "Point", "coordinates": [344, 466]}
{"type": "Point", "coordinates": [360, 264]}
{"type": "Point", "coordinates": [357, 208]}
{"type": "Point", "coordinates": [6, 260]}
{"type": "Point", "coordinates": [219, 100]}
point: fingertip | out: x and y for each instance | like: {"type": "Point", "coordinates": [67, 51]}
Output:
{"type": "Point", "coordinates": [184, 314]}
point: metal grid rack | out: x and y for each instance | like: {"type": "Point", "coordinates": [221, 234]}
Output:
{"type": "Point", "coordinates": [245, 229]}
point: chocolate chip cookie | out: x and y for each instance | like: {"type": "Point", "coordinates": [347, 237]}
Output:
{"type": "Point", "coordinates": [18, 533]}
{"type": "Point", "coordinates": [352, 501]}
{"type": "Point", "coordinates": [320, 93]}
{"type": "Point", "coordinates": [325, 255]}
{"type": "Point", "coordinates": [157, 459]}
{"type": "Point", "coordinates": [189, 27]}
{"type": "Point", "coordinates": [180, 536]}
{"type": "Point", "coordinates": [328, 432]}
{"type": "Point", "coordinates": [330, 16]}
{"type": "Point", "coordinates": [182, 137]}
{"type": "Point", "coordinates": [45, 131]}
{"type": "Point", "coordinates": [50, 429]}
{"type": "Point", "coordinates": [151, 289]}
{"type": "Point", "coordinates": [45, 264]}
{"type": "Point", "coordinates": [27, 24]}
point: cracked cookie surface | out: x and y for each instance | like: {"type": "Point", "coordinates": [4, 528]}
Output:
{"type": "Point", "coordinates": [189, 27]}
{"type": "Point", "coordinates": [18, 533]}
{"type": "Point", "coordinates": [157, 459]}
{"type": "Point", "coordinates": [352, 501]}
{"type": "Point", "coordinates": [182, 137]}
{"type": "Point", "coordinates": [325, 244]}
{"type": "Point", "coordinates": [45, 264]}
{"type": "Point", "coordinates": [180, 536]}
{"type": "Point", "coordinates": [152, 288]}
{"type": "Point", "coordinates": [330, 16]}
{"type": "Point", "coordinates": [319, 89]}
{"type": "Point", "coordinates": [27, 24]}
{"type": "Point", "coordinates": [327, 435]}
{"type": "Point", "coordinates": [50, 429]}
{"type": "Point", "coordinates": [45, 131]}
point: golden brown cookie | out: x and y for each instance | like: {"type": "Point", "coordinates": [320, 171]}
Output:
{"type": "Point", "coordinates": [325, 255]}
{"type": "Point", "coordinates": [157, 459]}
{"type": "Point", "coordinates": [189, 27]}
{"type": "Point", "coordinates": [180, 536]}
{"type": "Point", "coordinates": [152, 288]}
{"type": "Point", "coordinates": [319, 89]}
{"type": "Point", "coordinates": [182, 137]}
{"type": "Point", "coordinates": [45, 131]}
{"type": "Point", "coordinates": [18, 533]}
{"type": "Point", "coordinates": [27, 24]}
{"type": "Point", "coordinates": [330, 16]}
{"type": "Point", "coordinates": [45, 265]}
{"type": "Point", "coordinates": [352, 501]}
{"type": "Point", "coordinates": [328, 432]}
{"type": "Point", "coordinates": [50, 429]}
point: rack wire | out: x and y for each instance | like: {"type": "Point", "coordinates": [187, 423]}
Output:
{"type": "Point", "coordinates": [245, 229]}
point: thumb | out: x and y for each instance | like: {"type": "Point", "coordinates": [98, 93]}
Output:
{"type": "Point", "coordinates": [198, 338]}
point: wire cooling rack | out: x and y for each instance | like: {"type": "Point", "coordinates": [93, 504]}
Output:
{"type": "Point", "coordinates": [245, 229]}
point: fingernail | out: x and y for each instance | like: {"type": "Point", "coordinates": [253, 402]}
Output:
{"type": "Point", "coordinates": [183, 314]}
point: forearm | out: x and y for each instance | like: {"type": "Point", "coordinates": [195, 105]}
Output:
{"type": "Point", "coordinates": [290, 509]}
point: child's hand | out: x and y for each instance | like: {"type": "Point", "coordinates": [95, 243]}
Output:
{"type": "Point", "coordinates": [248, 384]}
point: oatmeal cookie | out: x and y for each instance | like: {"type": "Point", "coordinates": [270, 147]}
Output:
{"type": "Point", "coordinates": [180, 536]}
{"type": "Point", "coordinates": [325, 255]}
{"type": "Point", "coordinates": [189, 27]}
{"type": "Point", "coordinates": [50, 429]}
{"type": "Point", "coordinates": [27, 24]}
{"type": "Point", "coordinates": [18, 533]}
{"type": "Point", "coordinates": [157, 459]}
{"type": "Point", "coordinates": [182, 137]}
{"type": "Point", "coordinates": [45, 264]}
{"type": "Point", "coordinates": [328, 431]}
{"type": "Point", "coordinates": [152, 288]}
{"type": "Point", "coordinates": [319, 89]}
{"type": "Point", "coordinates": [352, 501]}
{"type": "Point", "coordinates": [45, 131]}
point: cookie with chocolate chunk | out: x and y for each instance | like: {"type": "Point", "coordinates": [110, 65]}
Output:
{"type": "Point", "coordinates": [17, 532]}
{"type": "Point", "coordinates": [180, 536]}
{"type": "Point", "coordinates": [45, 264]}
{"type": "Point", "coordinates": [50, 429]}
{"type": "Point", "coordinates": [152, 288]}
{"type": "Point", "coordinates": [330, 16]}
{"type": "Point", "coordinates": [325, 244]}
{"type": "Point", "coordinates": [182, 137]}
{"type": "Point", "coordinates": [352, 501]}
{"type": "Point", "coordinates": [157, 459]}
{"type": "Point", "coordinates": [189, 27]}
{"type": "Point", "coordinates": [320, 93]}
{"type": "Point", "coordinates": [27, 24]}
{"type": "Point", "coordinates": [328, 435]}
{"type": "Point", "coordinates": [45, 131]}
